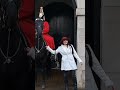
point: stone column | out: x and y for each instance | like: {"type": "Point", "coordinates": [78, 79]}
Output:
{"type": "Point", "coordinates": [80, 13]}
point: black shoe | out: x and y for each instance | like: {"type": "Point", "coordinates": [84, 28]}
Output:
{"type": "Point", "coordinates": [66, 88]}
{"type": "Point", "coordinates": [75, 87]}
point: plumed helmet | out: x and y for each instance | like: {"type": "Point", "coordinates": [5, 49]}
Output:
{"type": "Point", "coordinates": [41, 13]}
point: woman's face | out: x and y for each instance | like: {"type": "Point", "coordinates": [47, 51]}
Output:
{"type": "Point", "coordinates": [65, 42]}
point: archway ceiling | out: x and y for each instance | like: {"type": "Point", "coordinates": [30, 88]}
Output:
{"type": "Point", "coordinates": [43, 3]}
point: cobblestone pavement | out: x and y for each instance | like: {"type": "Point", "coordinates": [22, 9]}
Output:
{"type": "Point", "coordinates": [55, 82]}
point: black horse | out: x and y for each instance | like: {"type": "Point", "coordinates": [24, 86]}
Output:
{"type": "Point", "coordinates": [15, 65]}
{"type": "Point", "coordinates": [42, 55]}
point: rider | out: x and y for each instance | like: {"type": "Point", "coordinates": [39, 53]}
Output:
{"type": "Point", "coordinates": [27, 25]}
{"type": "Point", "coordinates": [48, 39]}
{"type": "Point", "coordinates": [46, 28]}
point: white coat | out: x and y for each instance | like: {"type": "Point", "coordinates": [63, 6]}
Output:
{"type": "Point", "coordinates": [68, 62]}
{"type": "Point", "coordinates": [90, 83]}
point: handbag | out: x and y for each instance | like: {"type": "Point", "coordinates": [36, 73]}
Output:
{"type": "Point", "coordinates": [73, 54]}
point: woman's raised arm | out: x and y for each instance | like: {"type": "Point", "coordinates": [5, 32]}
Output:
{"type": "Point", "coordinates": [52, 51]}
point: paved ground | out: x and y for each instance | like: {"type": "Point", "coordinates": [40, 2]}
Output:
{"type": "Point", "coordinates": [55, 82]}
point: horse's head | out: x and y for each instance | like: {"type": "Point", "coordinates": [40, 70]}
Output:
{"type": "Point", "coordinates": [38, 26]}
{"type": "Point", "coordinates": [9, 10]}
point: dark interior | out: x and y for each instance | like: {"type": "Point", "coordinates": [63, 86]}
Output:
{"type": "Point", "coordinates": [92, 27]}
{"type": "Point", "coordinates": [61, 19]}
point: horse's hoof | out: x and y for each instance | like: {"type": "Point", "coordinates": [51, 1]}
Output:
{"type": "Point", "coordinates": [43, 86]}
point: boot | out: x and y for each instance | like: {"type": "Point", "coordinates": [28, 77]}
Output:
{"type": "Point", "coordinates": [74, 80]}
{"type": "Point", "coordinates": [66, 87]}
{"type": "Point", "coordinates": [75, 86]}
{"type": "Point", "coordinates": [66, 80]}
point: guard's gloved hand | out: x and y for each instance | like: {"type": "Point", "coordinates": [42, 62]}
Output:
{"type": "Point", "coordinates": [31, 52]}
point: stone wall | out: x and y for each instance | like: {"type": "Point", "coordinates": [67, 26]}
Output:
{"type": "Point", "coordinates": [110, 43]}
{"type": "Point", "coordinates": [80, 13]}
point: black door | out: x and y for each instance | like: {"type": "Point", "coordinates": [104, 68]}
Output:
{"type": "Point", "coordinates": [61, 19]}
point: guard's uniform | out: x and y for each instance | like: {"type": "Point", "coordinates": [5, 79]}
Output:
{"type": "Point", "coordinates": [26, 21]}
{"type": "Point", "coordinates": [49, 39]}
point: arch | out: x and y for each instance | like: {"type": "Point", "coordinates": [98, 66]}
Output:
{"type": "Point", "coordinates": [61, 21]}
{"type": "Point", "coordinates": [38, 3]}
{"type": "Point", "coordinates": [68, 3]}
{"type": "Point", "coordinates": [71, 3]}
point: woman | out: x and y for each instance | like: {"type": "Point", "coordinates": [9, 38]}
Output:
{"type": "Point", "coordinates": [68, 63]}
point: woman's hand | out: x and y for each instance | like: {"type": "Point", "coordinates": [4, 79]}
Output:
{"type": "Point", "coordinates": [81, 63]}
{"type": "Point", "coordinates": [47, 47]}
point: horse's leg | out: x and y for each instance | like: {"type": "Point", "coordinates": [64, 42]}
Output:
{"type": "Point", "coordinates": [36, 71]}
{"type": "Point", "coordinates": [48, 66]}
{"type": "Point", "coordinates": [36, 76]}
{"type": "Point", "coordinates": [43, 77]}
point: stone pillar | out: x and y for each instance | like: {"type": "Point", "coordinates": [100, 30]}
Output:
{"type": "Point", "coordinates": [80, 13]}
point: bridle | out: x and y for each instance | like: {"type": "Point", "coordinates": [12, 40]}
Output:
{"type": "Point", "coordinates": [7, 57]}
{"type": "Point", "coordinates": [3, 20]}
{"type": "Point", "coordinates": [38, 37]}
{"type": "Point", "coordinates": [38, 50]}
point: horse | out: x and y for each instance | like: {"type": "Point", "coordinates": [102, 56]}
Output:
{"type": "Point", "coordinates": [42, 54]}
{"type": "Point", "coordinates": [15, 65]}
